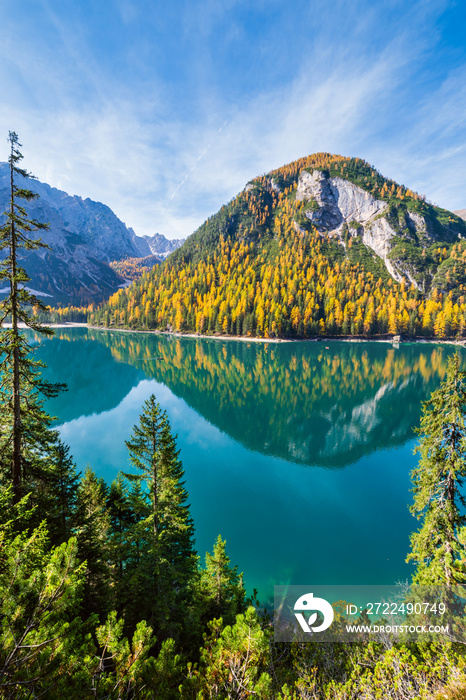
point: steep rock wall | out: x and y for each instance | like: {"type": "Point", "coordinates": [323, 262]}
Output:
{"type": "Point", "coordinates": [338, 202]}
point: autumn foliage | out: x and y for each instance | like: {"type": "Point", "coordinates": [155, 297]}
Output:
{"type": "Point", "coordinates": [259, 268]}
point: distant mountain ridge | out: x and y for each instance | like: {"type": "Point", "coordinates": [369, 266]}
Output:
{"type": "Point", "coordinates": [322, 246]}
{"type": "Point", "coordinates": [161, 246]}
{"type": "Point", "coordinates": [84, 237]}
{"type": "Point", "coordinates": [461, 213]}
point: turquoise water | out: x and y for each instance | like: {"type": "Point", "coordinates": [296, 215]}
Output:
{"type": "Point", "coordinates": [299, 454]}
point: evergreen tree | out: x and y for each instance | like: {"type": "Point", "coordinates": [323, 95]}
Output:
{"type": "Point", "coordinates": [45, 648]}
{"type": "Point", "coordinates": [26, 435]}
{"type": "Point", "coordinates": [436, 547]}
{"type": "Point", "coordinates": [131, 550]}
{"type": "Point", "coordinates": [234, 663]}
{"type": "Point", "coordinates": [60, 494]}
{"type": "Point", "coordinates": [176, 525]}
{"type": "Point", "coordinates": [222, 587]}
{"type": "Point", "coordinates": [121, 518]}
{"type": "Point", "coordinates": [92, 524]}
{"type": "Point", "coordinates": [170, 562]}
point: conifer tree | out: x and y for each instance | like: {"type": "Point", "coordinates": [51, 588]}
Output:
{"type": "Point", "coordinates": [170, 563]}
{"type": "Point", "coordinates": [130, 543]}
{"type": "Point", "coordinates": [436, 547]}
{"type": "Point", "coordinates": [92, 524]}
{"type": "Point", "coordinates": [60, 497]}
{"type": "Point", "coordinates": [235, 662]}
{"type": "Point", "coordinates": [222, 587]}
{"type": "Point", "coordinates": [121, 518]}
{"type": "Point", "coordinates": [25, 436]}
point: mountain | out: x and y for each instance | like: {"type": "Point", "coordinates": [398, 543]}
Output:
{"type": "Point", "coordinates": [323, 246]}
{"type": "Point", "coordinates": [161, 246]}
{"type": "Point", "coordinates": [84, 236]}
{"type": "Point", "coordinates": [461, 213]}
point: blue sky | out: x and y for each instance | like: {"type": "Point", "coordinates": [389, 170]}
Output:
{"type": "Point", "coordinates": [164, 110]}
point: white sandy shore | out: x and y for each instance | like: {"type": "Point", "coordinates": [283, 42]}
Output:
{"type": "Point", "coordinates": [245, 339]}
{"type": "Point", "coordinates": [329, 339]}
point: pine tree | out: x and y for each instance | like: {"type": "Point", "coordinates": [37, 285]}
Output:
{"type": "Point", "coordinates": [234, 662]}
{"type": "Point", "coordinates": [92, 525]}
{"type": "Point", "coordinates": [221, 586]}
{"type": "Point", "coordinates": [60, 495]}
{"type": "Point", "coordinates": [436, 547]}
{"type": "Point", "coordinates": [170, 562]}
{"type": "Point", "coordinates": [25, 436]}
{"type": "Point", "coordinates": [121, 519]}
{"type": "Point", "coordinates": [130, 543]}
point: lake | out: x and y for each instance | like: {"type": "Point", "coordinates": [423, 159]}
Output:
{"type": "Point", "coordinates": [299, 454]}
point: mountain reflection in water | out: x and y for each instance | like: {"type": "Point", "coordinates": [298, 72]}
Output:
{"type": "Point", "coordinates": [297, 401]}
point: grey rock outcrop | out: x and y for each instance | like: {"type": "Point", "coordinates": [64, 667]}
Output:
{"type": "Point", "coordinates": [335, 202]}
{"type": "Point", "coordinates": [339, 201]}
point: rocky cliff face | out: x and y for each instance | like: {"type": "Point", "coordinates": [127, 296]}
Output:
{"type": "Point", "coordinates": [84, 236]}
{"type": "Point", "coordinates": [339, 200]}
{"type": "Point", "coordinates": [344, 210]}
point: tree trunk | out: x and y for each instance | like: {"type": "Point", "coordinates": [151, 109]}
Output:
{"type": "Point", "coordinates": [16, 458]}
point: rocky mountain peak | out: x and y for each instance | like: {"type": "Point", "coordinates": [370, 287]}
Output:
{"type": "Point", "coordinates": [161, 246]}
{"type": "Point", "coordinates": [338, 201]}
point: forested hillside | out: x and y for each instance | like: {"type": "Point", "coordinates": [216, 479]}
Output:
{"type": "Point", "coordinates": [133, 268]}
{"type": "Point", "coordinates": [323, 246]}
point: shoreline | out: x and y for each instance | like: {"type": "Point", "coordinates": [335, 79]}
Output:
{"type": "Point", "coordinates": [71, 324]}
{"type": "Point", "coordinates": [394, 340]}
